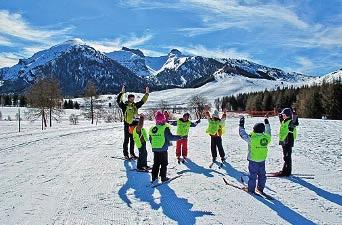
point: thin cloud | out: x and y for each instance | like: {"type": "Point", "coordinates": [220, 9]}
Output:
{"type": "Point", "coordinates": [118, 43]}
{"type": "Point", "coordinates": [13, 24]}
{"type": "Point", "coordinates": [213, 53]}
{"type": "Point", "coordinates": [5, 42]}
{"type": "Point", "coordinates": [8, 59]}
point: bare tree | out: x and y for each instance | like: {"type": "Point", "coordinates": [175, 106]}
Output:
{"type": "Point", "coordinates": [90, 92]}
{"type": "Point", "coordinates": [163, 105]}
{"type": "Point", "coordinates": [198, 103]}
{"type": "Point", "coordinates": [44, 96]}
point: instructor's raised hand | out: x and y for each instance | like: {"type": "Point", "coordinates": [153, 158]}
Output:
{"type": "Point", "coordinates": [147, 90]}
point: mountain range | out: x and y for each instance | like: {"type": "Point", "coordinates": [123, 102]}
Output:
{"type": "Point", "coordinates": [74, 64]}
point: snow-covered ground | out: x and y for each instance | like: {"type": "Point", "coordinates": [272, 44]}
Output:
{"type": "Point", "coordinates": [65, 175]}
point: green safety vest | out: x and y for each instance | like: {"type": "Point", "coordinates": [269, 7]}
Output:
{"type": "Point", "coordinates": [214, 126]}
{"type": "Point", "coordinates": [137, 137]}
{"type": "Point", "coordinates": [183, 128]}
{"type": "Point", "coordinates": [130, 113]}
{"type": "Point", "coordinates": [157, 134]}
{"type": "Point", "coordinates": [284, 131]}
{"type": "Point", "coordinates": [258, 148]}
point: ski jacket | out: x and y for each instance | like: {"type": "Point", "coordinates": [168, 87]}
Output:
{"type": "Point", "coordinates": [288, 132]}
{"type": "Point", "coordinates": [160, 136]}
{"type": "Point", "coordinates": [130, 110]}
{"type": "Point", "coordinates": [257, 143]}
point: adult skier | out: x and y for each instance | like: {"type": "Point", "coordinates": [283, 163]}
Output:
{"type": "Point", "coordinates": [129, 111]}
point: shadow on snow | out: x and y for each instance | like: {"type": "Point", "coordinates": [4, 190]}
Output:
{"type": "Point", "coordinates": [177, 209]}
{"type": "Point", "coordinates": [282, 210]}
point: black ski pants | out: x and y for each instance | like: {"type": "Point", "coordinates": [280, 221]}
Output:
{"type": "Point", "coordinates": [216, 142]}
{"type": "Point", "coordinates": [128, 138]}
{"type": "Point", "coordinates": [287, 152]}
{"type": "Point", "coordinates": [160, 162]}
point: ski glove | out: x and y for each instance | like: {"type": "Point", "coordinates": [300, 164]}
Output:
{"type": "Point", "coordinates": [198, 121]}
{"type": "Point", "coordinates": [242, 122]}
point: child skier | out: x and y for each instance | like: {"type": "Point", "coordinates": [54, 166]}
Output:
{"type": "Point", "coordinates": [183, 125]}
{"type": "Point", "coordinates": [160, 135]}
{"type": "Point", "coordinates": [258, 141]}
{"type": "Point", "coordinates": [287, 135]}
{"type": "Point", "coordinates": [216, 130]}
{"type": "Point", "coordinates": [140, 138]}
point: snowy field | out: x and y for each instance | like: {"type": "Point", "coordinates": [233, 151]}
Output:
{"type": "Point", "coordinates": [65, 175]}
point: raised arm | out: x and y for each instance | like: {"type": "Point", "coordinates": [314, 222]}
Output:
{"type": "Point", "coordinates": [194, 124]}
{"type": "Point", "coordinates": [172, 122]}
{"type": "Point", "coordinates": [144, 98]}
{"type": "Point", "coordinates": [119, 98]}
{"type": "Point", "coordinates": [242, 132]}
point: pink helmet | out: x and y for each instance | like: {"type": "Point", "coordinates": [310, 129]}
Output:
{"type": "Point", "coordinates": [159, 117]}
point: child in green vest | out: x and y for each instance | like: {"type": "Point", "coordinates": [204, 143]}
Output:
{"type": "Point", "coordinates": [140, 138]}
{"type": "Point", "coordinates": [287, 135]}
{"type": "Point", "coordinates": [159, 136]}
{"type": "Point", "coordinates": [257, 141]}
{"type": "Point", "coordinates": [216, 130]}
{"type": "Point", "coordinates": [183, 125]}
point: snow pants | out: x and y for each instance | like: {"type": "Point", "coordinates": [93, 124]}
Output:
{"type": "Point", "coordinates": [287, 152]}
{"type": "Point", "coordinates": [142, 160]}
{"type": "Point", "coordinates": [216, 142]}
{"type": "Point", "coordinates": [160, 162]}
{"type": "Point", "coordinates": [128, 138]}
{"type": "Point", "coordinates": [256, 171]}
{"type": "Point", "coordinates": [182, 148]}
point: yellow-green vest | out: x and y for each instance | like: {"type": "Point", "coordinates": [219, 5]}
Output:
{"type": "Point", "coordinates": [284, 130]}
{"type": "Point", "coordinates": [130, 113]}
{"type": "Point", "coordinates": [214, 126]}
{"type": "Point", "coordinates": [183, 127]}
{"type": "Point", "coordinates": [258, 146]}
{"type": "Point", "coordinates": [136, 137]}
{"type": "Point", "coordinates": [157, 134]}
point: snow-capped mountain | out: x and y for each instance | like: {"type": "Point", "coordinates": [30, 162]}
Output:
{"type": "Point", "coordinates": [74, 63]}
{"type": "Point", "coordinates": [330, 77]}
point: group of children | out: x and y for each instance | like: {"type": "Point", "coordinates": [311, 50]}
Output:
{"type": "Point", "coordinates": [160, 136]}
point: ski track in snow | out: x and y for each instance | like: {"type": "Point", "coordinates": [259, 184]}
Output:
{"type": "Point", "coordinates": [65, 175]}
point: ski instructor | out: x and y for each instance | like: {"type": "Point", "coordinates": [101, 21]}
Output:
{"type": "Point", "coordinates": [129, 111]}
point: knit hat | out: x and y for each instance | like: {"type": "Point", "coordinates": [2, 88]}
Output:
{"type": "Point", "coordinates": [259, 128]}
{"type": "Point", "coordinates": [130, 96]}
{"type": "Point", "coordinates": [159, 117]}
{"type": "Point", "coordinates": [287, 112]}
{"type": "Point", "coordinates": [186, 114]}
{"type": "Point", "coordinates": [216, 114]}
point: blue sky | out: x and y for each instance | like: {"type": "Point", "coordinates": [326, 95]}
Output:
{"type": "Point", "coordinates": [303, 36]}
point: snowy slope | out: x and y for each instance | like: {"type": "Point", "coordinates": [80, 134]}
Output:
{"type": "Point", "coordinates": [330, 77]}
{"type": "Point", "coordinates": [65, 175]}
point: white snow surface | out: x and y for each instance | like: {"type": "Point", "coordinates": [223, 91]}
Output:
{"type": "Point", "coordinates": [65, 175]}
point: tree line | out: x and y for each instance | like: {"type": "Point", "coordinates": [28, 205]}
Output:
{"type": "Point", "coordinates": [310, 101]}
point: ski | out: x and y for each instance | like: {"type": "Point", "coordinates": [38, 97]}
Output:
{"type": "Point", "coordinates": [166, 182]}
{"type": "Point", "coordinates": [294, 174]}
{"type": "Point", "coordinates": [122, 158]}
{"type": "Point", "coordinates": [141, 170]}
{"type": "Point", "coordinates": [267, 196]}
{"type": "Point", "coordinates": [291, 176]}
{"type": "Point", "coordinates": [244, 188]}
